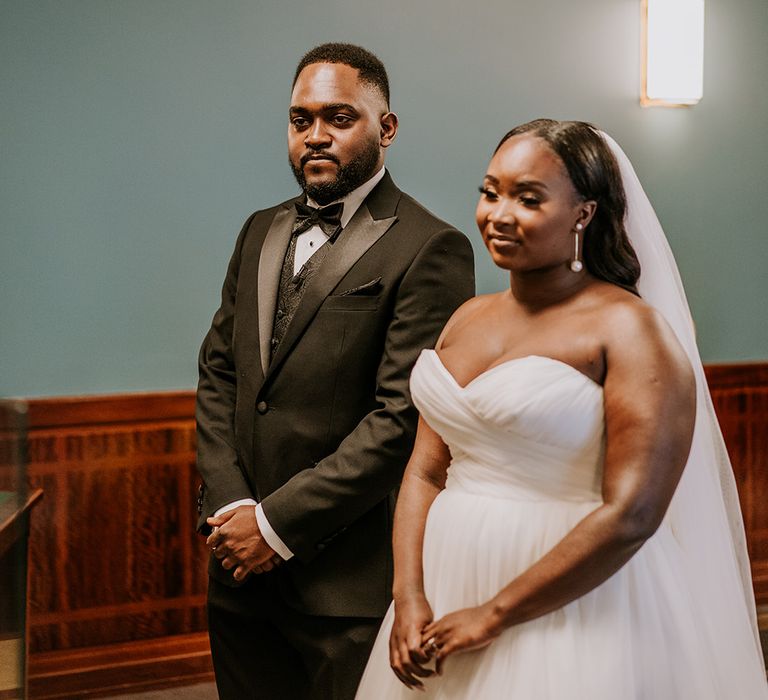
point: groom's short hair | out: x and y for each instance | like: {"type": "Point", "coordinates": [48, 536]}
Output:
{"type": "Point", "coordinates": [371, 70]}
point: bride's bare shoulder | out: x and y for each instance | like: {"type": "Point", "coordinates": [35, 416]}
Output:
{"type": "Point", "coordinates": [635, 332]}
{"type": "Point", "coordinates": [625, 314]}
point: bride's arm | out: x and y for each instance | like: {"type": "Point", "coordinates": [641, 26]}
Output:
{"type": "Point", "coordinates": [423, 480]}
{"type": "Point", "coordinates": [650, 397]}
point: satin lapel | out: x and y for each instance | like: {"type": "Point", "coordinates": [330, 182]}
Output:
{"type": "Point", "coordinates": [270, 266]}
{"type": "Point", "coordinates": [359, 235]}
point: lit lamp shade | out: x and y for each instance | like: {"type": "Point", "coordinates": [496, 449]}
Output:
{"type": "Point", "coordinates": [673, 52]}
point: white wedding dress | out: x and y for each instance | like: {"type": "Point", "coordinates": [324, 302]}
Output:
{"type": "Point", "coordinates": [526, 440]}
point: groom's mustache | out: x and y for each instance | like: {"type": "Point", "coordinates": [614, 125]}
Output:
{"type": "Point", "coordinates": [317, 155]}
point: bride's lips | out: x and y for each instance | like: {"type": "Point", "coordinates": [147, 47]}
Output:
{"type": "Point", "coordinates": [504, 241]}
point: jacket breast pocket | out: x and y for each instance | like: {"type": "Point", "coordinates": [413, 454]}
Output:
{"type": "Point", "coordinates": [350, 302]}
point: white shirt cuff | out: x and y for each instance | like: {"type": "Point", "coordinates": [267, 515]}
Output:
{"type": "Point", "coordinates": [233, 505]}
{"type": "Point", "coordinates": [270, 536]}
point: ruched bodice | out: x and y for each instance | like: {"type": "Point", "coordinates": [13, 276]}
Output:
{"type": "Point", "coordinates": [528, 428]}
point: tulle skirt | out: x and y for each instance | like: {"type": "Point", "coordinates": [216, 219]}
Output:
{"type": "Point", "coordinates": [638, 636]}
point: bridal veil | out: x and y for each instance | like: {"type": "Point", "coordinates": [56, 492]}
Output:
{"type": "Point", "coordinates": [704, 513]}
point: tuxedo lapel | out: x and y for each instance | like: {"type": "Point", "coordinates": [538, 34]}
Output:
{"type": "Point", "coordinates": [270, 265]}
{"type": "Point", "coordinates": [358, 236]}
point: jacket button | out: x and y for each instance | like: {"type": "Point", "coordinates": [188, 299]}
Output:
{"type": "Point", "coordinates": [262, 407]}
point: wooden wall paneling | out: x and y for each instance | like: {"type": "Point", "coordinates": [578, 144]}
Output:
{"type": "Point", "coordinates": [116, 538]}
{"type": "Point", "coordinates": [740, 398]}
{"type": "Point", "coordinates": [131, 667]}
{"type": "Point", "coordinates": [115, 559]}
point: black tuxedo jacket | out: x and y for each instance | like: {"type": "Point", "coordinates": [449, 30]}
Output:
{"type": "Point", "coordinates": [320, 432]}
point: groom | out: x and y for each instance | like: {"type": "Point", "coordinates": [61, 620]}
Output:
{"type": "Point", "coordinates": [304, 417]}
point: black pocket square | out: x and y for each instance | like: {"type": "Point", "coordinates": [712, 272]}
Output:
{"type": "Point", "coordinates": [368, 289]}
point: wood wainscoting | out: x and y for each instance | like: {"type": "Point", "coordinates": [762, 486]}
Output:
{"type": "Point", "coordinates": [117, 580]}
{"type": "Point", "coordinates": [740, 395]}
{"type": "Point", "coordinates": [117, 575]}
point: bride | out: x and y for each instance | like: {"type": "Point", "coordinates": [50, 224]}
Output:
{"type": "Point", "coordinates": [568, 526]}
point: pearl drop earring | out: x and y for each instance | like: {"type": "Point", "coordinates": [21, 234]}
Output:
{"type": "Point", "coordinates": [576, 264]}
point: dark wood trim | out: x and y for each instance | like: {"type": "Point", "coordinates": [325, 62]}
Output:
{"type": "Point", "coordinates": [120, 610]}
{"type": "Point", "coordinates": [737, 375]}
{"type": "Point", "coordinates": [72, 411]}
{"type": "Point", "coordinates": [131, 667]}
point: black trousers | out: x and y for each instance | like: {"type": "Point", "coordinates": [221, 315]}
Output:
{"type": "Point", "coordinates": [264, 649]}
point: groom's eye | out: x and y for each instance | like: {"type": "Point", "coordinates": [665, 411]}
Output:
{"type": "Point", "coordinates": [341, 120]}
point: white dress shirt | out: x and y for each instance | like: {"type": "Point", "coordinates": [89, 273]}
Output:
{"type": "Point", "coordinates": [307, 244]}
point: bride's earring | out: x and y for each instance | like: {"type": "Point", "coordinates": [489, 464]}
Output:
{"type": "Point", "coordinates": [576, 264]}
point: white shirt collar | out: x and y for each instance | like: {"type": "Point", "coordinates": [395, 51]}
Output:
{"type": "Point", "coordinates": [355, 198]}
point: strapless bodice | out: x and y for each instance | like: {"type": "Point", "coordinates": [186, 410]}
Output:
{"type": "Point", "coordinates": [528, 428]}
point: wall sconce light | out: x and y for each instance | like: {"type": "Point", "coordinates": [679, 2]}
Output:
{"type": "Point", "coordinates": [672, 52]}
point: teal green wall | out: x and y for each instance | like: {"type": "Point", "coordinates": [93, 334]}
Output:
{"type": "Point", "coordinates": [137, 135]}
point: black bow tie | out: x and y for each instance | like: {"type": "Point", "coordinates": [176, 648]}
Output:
{"type": "Point", "coordinates": [327, 218]}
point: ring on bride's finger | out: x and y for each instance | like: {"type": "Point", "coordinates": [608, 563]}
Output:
{"type": "Point", "coordinates": [431, 645]}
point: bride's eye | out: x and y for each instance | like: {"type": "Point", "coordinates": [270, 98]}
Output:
{"type": "Point", "coordinates": [488, 194]}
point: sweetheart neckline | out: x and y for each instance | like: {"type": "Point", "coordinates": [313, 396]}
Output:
{"type": "Point", "coordinates": [511, 361]}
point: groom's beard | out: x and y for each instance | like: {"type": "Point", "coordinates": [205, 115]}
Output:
{"type": "Point", "coordinates": [348, 177]}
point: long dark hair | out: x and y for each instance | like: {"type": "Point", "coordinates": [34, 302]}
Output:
{"type": "Point", "coordinates": [608, 254]}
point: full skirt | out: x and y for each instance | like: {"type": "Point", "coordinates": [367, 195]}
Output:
{"type": "Point", "coordinates": [638, 636]}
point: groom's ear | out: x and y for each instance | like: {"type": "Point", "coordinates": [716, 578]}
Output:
{"type": "Point", "coordinates": [388, 129]}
